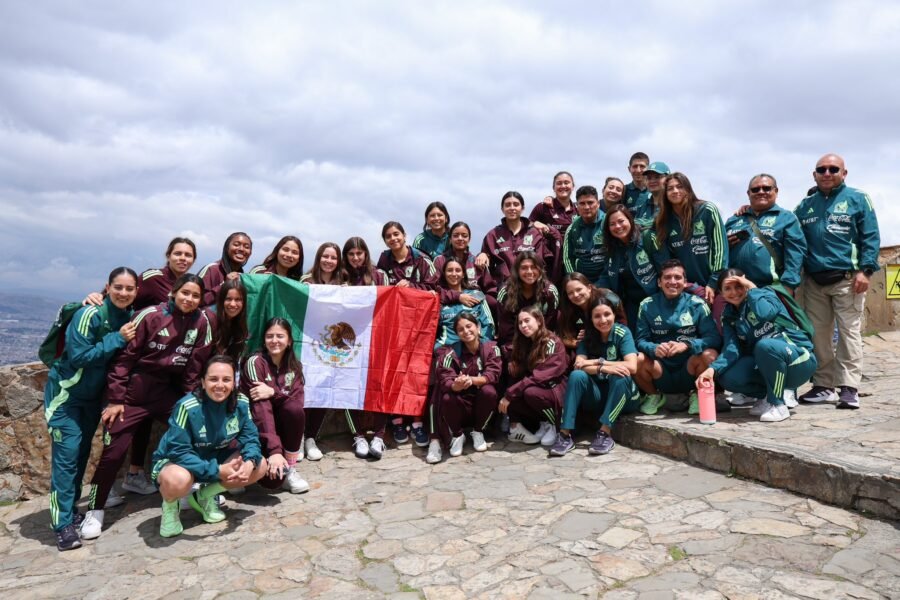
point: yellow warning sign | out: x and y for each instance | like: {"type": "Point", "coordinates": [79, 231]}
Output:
{"type": "Point", "coordinates": [892, 282]}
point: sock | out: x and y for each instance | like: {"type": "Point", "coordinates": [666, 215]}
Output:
{"type": "Point", "coordinates": [291, 457]}
{"type": "Point", "coordinates": [417, 423]}
{"type": "Point", "coordinates": [208, 491]}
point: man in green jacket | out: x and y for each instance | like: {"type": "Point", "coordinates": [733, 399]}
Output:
{"type": "Point", "coordinates": [583, 248]}
{"type": "Point", "coordinates": [842, 236]}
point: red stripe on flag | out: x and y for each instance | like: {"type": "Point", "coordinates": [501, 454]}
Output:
{"type": "Point", "coordinates": [404, 326]}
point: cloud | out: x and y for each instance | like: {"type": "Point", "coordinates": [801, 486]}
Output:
{"type": "Point", "coordinates": [120, 129]}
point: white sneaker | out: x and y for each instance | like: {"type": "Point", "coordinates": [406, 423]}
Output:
{"type": "Point", "coordinates": [114, 499]}
{"type": "Point", "coordinates": [790, 398]}
{"type": "Point", "coordinates": [739, 399]}
{"type": "Point", "coordinates": [360, 447]}
{"type": "Point", "coordinates": [138, 483]}
{"type": "Point", "coordinates": [518, 433]}
{"type": "Point", "coordinates": [220, 500]}
{"type": "Point", "coordinates": [312, 451]}
{"type": "Point", "coordinates": [92, 524]}
{"type": "Point", "coordinates": [294, 483]}
{"type": "Point", "coordinates": [434, 452]}
{"type": "Point", "coordinates": [761, 406]}
{"type": "Point", "coordinates": [300, 454]}
{"type": "Point", "coordinates": [478, 441]}
{"type": "Point", "coordinates": [549, 437]}
{"type": "Point", "coordinates": [456, 445]}
{"type": "Point", "coordinates": [376, 448]}
{"type": "Point", "coordinates": [775, 413]}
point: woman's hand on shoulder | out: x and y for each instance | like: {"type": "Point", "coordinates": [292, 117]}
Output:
{"type": "Point", "coordinates": [93, 299]}
{"type": "Point", "coordinates": [468, 300]}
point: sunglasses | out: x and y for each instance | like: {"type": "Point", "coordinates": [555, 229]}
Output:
{"type": "Point", "coordinates": [762, 188]}
{"type": "Point", "coordinates": [833, 169]}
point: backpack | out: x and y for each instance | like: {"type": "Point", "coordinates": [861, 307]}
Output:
{"type": "Point", "coordinates": [55, 343]}
{"type": "Point", "coordinates": [799, 318]}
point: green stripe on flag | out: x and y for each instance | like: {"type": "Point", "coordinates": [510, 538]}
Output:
{"type": "Point", "coordinates": [274, 296]}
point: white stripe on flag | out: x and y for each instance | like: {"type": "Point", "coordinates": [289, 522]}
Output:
{"type": "Point", "coordinates": [336, 374]}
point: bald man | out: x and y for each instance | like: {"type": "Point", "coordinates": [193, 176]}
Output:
{"type": "Point", "coordinates": [843, 241]}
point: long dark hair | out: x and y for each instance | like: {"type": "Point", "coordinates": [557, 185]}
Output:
{"type": "Point", "coordinates": [593, 341]}
{"type": "Point", "coordinates": [687, 219]}
{"type": "Point", "coordinates": [231, 403]}
{"type": "Point", "coordinates": [226, 261]}
{"type": "Point", "coordinates": [514, 283]}
{"type": "Point", "coordinates": [529, 352]}
{"type": "Point", "coordinates": [611, 243]}
{"type": "Point", "coordinates": [570, 313]}
{"type": "Point", "coordinates": [184, 280]}
{"type": "Point", "coordinates": [231, 334]}
{"type": "Point", "coordinates": [440, 206]}
{"type": "Point", "coordinates": [272, 259]}
{"type": "Point", "coordinates": [450, 251]}
{"type": "Point", "coordinates": [367, 271]}
{"type": "Point", "coordinates": [292, 365]}
{"type": "Point", "coordinates": [465, 284]}
{"type": "Point", "coordinates": [315, 272]}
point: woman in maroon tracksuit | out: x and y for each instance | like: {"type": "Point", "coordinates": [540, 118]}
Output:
{"type": "Point", "coordinates": [286, 259]}
{"type": "Point", "coordinates": [527, 285]}
{"type": "Point", "coordinates": [514, 234]}
{"type": "Point", "coordinates": [358, 267]}
{"type": "Point", "coordinates": [235, 254]}
{"type": "Point", "coordinates": [404, 265]}
{"type": "Point", "coordinates": [273, 380]}
{"type": "Point", "coordinates": [466, 378]}
{"type": "Point", "coordinates": [537, 369]}
{"type": "Point", "coordinates": [146, 380]}
{"type": "Point", "coordinates": [460, 237]}
{"type": "Point", "coordinates": [229, 326]}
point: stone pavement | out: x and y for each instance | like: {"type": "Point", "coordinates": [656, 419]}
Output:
{"type": "Point", "coordinates": [843, 457]}
{"type": "Point", "coordinates": [507, 523]}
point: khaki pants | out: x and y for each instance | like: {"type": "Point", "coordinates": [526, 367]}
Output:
{"type": "Point", "coordinates": [827, 305]}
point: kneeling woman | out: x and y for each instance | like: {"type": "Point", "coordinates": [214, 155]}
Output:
{"type": "Point", "coordinates": [466, 376]}
{"type": "Point", "coordinates": [537, 368]}
{"type": "Point", "coordinates": [605, 361]}
{"type": "Point", "coordinates": [211, 440]}
{"type": "Point", "coordinates": [765, 353]}
{"type": "Point", "coordinates": [273, 380]}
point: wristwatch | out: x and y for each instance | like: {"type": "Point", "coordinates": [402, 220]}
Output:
{"type": "Point", "coordinates": [868, 272]}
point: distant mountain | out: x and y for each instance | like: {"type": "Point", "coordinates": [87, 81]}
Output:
{"type": "Point", "coordinates": [24, 322]}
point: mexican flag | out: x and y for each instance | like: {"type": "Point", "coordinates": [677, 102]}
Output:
{"type": "Point", "coordinates": [362, 347]}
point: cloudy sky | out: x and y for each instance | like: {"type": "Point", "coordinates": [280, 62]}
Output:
{"type": "Point", "coordinates": [124, 125]}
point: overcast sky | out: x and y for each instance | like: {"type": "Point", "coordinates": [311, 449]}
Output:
{"type": "Point", "coordinates": [124, 124]}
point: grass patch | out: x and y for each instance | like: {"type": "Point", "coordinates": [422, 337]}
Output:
{"type": "Point", "coordinates": [676, 553]}
{"type": "Point", "coordinates": [406, 588]}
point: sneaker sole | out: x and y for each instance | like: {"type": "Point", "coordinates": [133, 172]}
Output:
{"type": "Point", "coordinates": [137, 490]}
{"type": "Point", "coordinates": [206, 517]}
{"type": "Point", "coordinates": [844, 405]}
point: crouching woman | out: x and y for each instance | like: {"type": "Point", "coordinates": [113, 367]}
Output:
{"type": "Point", "coordinates": [211, 440]}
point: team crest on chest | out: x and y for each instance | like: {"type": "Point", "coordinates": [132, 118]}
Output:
{"type": "Point", "coordinates": [409, 271]}
{"type": "Point", "coordinates": [841, 207]}
{"type": "Point", "coordinates": [699, 228]}
{"type": "Point", "coordinates": [232, 426]}
{"type": "Point", "coordinates": [751, 318]}
{"type": "Point", "coordinates": [289, 379]}
{"type": "Point", "coordinates": [190, 337]}
{"type": "Point", "coordinates": [611, 353]}
{"type": "Point", "coordinates": [528, 239]}
{"type": "Point", "coordinates": [768, 222]}
{"type": "Point", "coordinates": [337, 345]}
{"type": "Point", "coordinates": [686, 320]}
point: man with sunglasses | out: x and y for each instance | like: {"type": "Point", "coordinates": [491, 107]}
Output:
{"type": "Point", "coordinates": [843, 240]}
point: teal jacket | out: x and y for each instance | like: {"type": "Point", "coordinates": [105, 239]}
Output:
{"type": "Point", "coordinates": [634, 196]}
{"type": "Point", "coordinates": [619, 345]}
{"type": "Point", "coordinates": [431, 244]}
{"type": "Point", "coordinates": [683, 319]}
{"type": "Point", "coordinates": [705, 252]}
{"type": "Point", "coordinates": [782, 229]}
{"type": "Point", "coordinates": [761, 315]}
{"type": "Point", "coordinates": [644, 212]}
{"type": "Point", "coordinates": [841, 231]}
{"type": "Point", "coordinates": [91, 343]}
{"type": "Point", "coordinates": [201, 430]}
{"type": "Point", "coordinates": [446, 333]}
{"type": "Point", "coordinates": [583, 249]}
{"type": "Point", "coordinates": [634, 258]}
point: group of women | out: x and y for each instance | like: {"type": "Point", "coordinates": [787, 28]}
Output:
{"type": "Point", "coordinates": [171, 346]}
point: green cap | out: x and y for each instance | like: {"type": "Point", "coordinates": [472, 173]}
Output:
{"type": "Point", "coordinates": [658, 167]}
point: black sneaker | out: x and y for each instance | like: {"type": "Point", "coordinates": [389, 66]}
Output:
{"type": "Point", "coordinates": [563, 444]}
{"type": "Point", "coordinates": [848, 398]}
{"type": "Point", "coordinates": [602, 444]}
{"type": "Point", "coordinates": [67, 538]}
{"type": "Point", "coordinates": [77, 519]}
{"type": "Point", "coordinates": [398, 431]}
{"type": "Point", "coordinates": [421, 437]}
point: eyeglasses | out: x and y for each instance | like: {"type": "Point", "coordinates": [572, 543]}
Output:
{"type": "Point", "coordinates": [762, 188]}
{"type": "Point", "coordinates": [833, 169]}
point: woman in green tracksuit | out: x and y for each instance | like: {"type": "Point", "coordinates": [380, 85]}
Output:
{"type": "Point", "coordinates": [72, 397]}
{"type": "Point", "coordinates": [212, 440]}
{"type": "Point", "coordinates": [765, 352]}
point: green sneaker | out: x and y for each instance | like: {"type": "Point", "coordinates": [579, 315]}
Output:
{"type": "Point", "coordinates": [694, 404]}
{"type": "Point", "coordinates": [170, 525]}
{"type": "Point", "coordinates": [208, 508]}
{"type": "Point", "coordinates": [651, 403]}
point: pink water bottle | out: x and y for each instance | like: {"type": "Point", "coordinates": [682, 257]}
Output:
{"type": "Point", "coordinates": [707, 399]}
